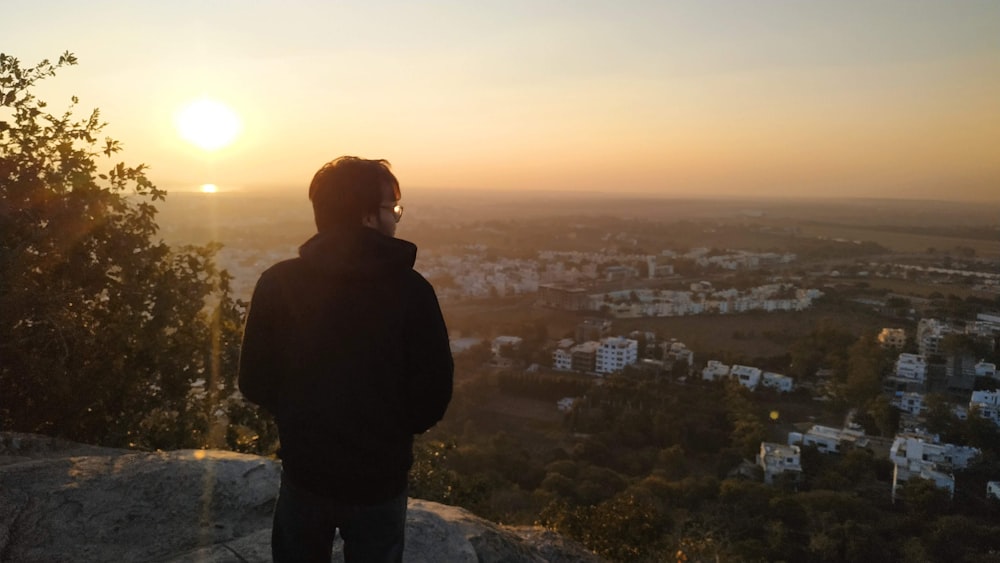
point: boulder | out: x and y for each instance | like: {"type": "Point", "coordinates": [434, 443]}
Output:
{"type": "Point", "coordinates": [62, 501]}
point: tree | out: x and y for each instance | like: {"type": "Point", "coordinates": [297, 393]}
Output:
{"type": "Point", "coordinates": [748, 429]}
{"type": "Point", "coordinates": [880, 417]}
{"type": "Point", "coordinates": [922, 498]}
{"type": "Point", "coordinates": [628, 527]}
{"type": "Point", "coordinates": [939, 416]}
{"type": "Point", "coordinates": [956, 344]}
{"type": "Point", "coordinates": [864, 371]}
{"type": "Point", "coordinates": [824, 347]}
{"type": "Point", "coordinates": [980, 432]}
{"type": "Point", "coordinates": [962, 538]}
{"type": "Point", "coordinates": [103, 329]}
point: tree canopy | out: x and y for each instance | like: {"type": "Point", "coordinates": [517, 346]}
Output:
{"type": "Point", "coordinates": [103, 327]}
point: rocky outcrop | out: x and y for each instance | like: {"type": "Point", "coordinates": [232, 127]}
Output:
{"type": "Point", "coordinates": [61, 501]}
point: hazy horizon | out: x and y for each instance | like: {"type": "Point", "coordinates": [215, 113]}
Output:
{"type": "Point", "coordinates": [456, 206]}
{"type": "Point", "coordinates": [299, 191]}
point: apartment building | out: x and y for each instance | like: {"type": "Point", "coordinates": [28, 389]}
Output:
{"type": "Point", "coordinates": [776, 459]}
{"type": "Point", "coordinates": [919, 455]}
{"type": "Point", "coordinates": [614, 353]}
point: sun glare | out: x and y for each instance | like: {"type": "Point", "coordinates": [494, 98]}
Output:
{"type": "Point", "coordinates": [208, 124]}
{"type": "Point", "coordinates": [209, 188]}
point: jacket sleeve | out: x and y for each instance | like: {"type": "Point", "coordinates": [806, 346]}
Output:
{"type": "Point", "coordinates": [258, 375]}
{"type": "Point", "coordinates": [430, 365]}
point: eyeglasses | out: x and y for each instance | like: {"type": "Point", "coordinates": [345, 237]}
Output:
{"type": "Point", "coordinates": [397, 211]}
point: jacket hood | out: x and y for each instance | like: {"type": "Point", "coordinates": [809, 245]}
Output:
{"type": "Point", "coordinates": [360, 252]}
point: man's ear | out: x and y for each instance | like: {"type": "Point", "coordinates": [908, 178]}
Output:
{"type": "Point", "coordinates": [370, 220]}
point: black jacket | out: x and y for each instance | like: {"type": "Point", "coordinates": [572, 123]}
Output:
{"type": "Point", "coordinates": [346, 347]}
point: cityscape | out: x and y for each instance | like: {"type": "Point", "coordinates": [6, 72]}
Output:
{"type": "Point", "coordinates": [600, 303]}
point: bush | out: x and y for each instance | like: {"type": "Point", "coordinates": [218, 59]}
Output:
{"type": "Point", "coordinates": [103, 329]}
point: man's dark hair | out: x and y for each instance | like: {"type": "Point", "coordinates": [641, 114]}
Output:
{"type": "Point", "coordinates": [347, 189]}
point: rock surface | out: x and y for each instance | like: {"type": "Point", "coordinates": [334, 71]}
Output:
{"type": "Point", "coordinates": [62, 501]}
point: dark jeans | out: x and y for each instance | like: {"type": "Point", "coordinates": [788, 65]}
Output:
{"type": "Point", "coordinates": [305, 526]}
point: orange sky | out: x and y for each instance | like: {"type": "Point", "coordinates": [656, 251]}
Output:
{"type": "Point", "coordinates": [894, 99]}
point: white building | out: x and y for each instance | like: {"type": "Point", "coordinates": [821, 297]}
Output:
{"type": "Point", "coordinates": [701, 299]}
{"type": "Point", "coordinates": [911, 368]}
{"type": "Point", "coordinates": [987, 403]}
{"type": "Point", "coordinates": [989, 318]}
{"type": "Point", "coordinates": [912, 403]}
{"type": "Point", "coordinates": [916, 455]}
{"type": "Point", "coordinates": [829, 440]}
{"type": "Point", "coordinates": [776, 459]}
{"type": "Point", "coordinates": [942, 479]}
{"type": "Point", "coordinates": [748, 376]}
{"type": "Point", "coordinates": [459, 345]}
{"type": "Point", "coordinates": [927, 448]}
{"type": "Point", "coordinates": [930, 332]}
{"type": "Point", "coordinates": [565, 343]}
{"type": "Point", "coordinates": [616, 352]}
{"type": "Point", "coordinates": [777, 381]}
{"type": "Point", "coordinates": [501, 344]}
{"type": "Point", "coordinates": [993, 489]}
{"type": "Point", "coordinates": [678, 352]}
{"type": "Point", "coordinates": [658, 270]}
{"type": "Point", "coordinates": [562, 359]}
{"type": "Point", "coordinates": [714, 370]}
{"type": "Point", "coordinates": [986, 369]}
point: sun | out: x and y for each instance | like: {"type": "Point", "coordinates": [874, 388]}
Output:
{"type": "Point", "coordinates": [208, 124]}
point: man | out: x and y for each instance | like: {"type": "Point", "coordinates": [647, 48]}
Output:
{"type": "Point", "coordinates": [346, 347]}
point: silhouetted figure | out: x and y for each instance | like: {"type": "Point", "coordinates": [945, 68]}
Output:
{"type": "Point", "coordinates": [346, 347]}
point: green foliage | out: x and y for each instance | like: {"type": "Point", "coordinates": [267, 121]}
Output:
{"type": "Point", "coordinates": [824, 347]}
{"type": "Point", "coordinates": [966, 344]}
{"type": "Point", "coordinates": [962, 538]}
{"type": "Point", "coordinates": [980, 432]}
{"type": "Point", "coordinates": [430, 478]}
{"type": "Point", "coordinates": [922, 497]}
{"type": "Point", "coordinates": [939, 417]}
{"type": "Point", "coordinates": [103, 329]}
{"type": "Point", "coordinates": [637, 486]}
{"type": "Point", "coordinates": [545, 387]}
{"type": "Point", "coordinates": [879, 417]}
{"type": "Point", "coordinates": [747, 420]}
{"type": "Point", "coordinates": [866, 362]}
{"type": "Point", "coordinates": [630, 526]}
